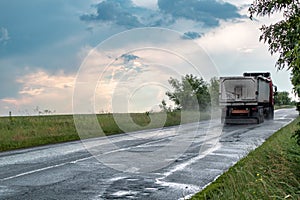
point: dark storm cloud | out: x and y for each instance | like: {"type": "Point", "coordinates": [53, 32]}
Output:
{"type": "Point", "coordinates": [32, 35]}
{"type": "Point", "coordinates": [206, 11]}
{"type": "Point", "coordinates": [190, 35]}
{"type": "Point", "coordinates": [129, 57]}
{"type": "Point", "coordinates": [127, 14]}
{"type": "Point", "coordinates": [120, 12]}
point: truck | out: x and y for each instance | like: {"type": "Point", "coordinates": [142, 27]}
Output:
{"type": "Point", "coordinates": [247, 99]}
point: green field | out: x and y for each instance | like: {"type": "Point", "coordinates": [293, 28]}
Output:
{"type": "Point", "coordinates": [29, 131]}
{"type": "Point", "coordinates": [272, 171]}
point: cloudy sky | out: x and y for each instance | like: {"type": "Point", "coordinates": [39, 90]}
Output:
{"type": "Point", "coordinates": [54, 54]}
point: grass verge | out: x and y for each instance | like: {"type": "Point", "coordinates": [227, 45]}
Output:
{"type": "Point", "coordinates": [269, 172]}
{"type": "Point", "coordinates": [276, 107]}
{"type": "Point", "coordinates": [28, 131]}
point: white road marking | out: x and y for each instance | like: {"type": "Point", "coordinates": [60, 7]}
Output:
{"type": "Point", "coordinates": [45, 168]}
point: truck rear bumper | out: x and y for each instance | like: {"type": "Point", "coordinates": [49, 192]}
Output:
{"type": "Point", "coordinates": [234, 103]}
{"type": "Point", "coordinates": [240, 120]}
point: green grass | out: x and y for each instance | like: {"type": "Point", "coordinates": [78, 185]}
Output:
{"type": "Point", "coordinates": [272, 171]}
{"type": "Point", "coordinates": [28, 131]}
{"type": "Point", "coordinates": [276, 107]}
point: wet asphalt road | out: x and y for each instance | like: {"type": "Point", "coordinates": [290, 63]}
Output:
{"type": "Point", "coordinates": [69, 171]}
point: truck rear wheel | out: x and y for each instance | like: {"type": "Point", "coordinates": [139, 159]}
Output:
{"type": "Point", "coordinates": [260, 116]}
{"type": "Point", "coordinates": [223, 115]}
{"type": "Point", "coordinates": [270, 113]}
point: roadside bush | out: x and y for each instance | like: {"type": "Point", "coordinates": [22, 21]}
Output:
{"type": "Point", "coordinates": [298, 107]}
{"type": "Point", "coordinates": [297, 134]}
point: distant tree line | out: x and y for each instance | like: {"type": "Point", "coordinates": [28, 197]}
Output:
{"type": "Point", "coordinates": [282, 98]}
{"type": "Point", "coordinates": [40, 111]}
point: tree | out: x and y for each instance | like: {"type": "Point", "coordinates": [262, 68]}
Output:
{"type": "Point", "coordinates": [189, 94]}
{"type": "Point", "coordinates": [163, 106]}
{"type": "Point", "coordinates": [282, 98]}
{"type": "Point", "coordinates": [283, 37]}
{"type": "Point", "coordinates": [214, 91]}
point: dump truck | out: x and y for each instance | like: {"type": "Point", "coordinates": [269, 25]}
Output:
{"type": "Point", "coordinates": [247, 99]}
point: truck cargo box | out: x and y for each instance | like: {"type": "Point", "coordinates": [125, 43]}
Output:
{"type": "Point", "coordinates": [247, 99]}
{"type": "Point", "coordinates": [244, 90]}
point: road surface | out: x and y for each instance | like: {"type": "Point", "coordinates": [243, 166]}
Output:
{"type": "Point", "coordinates": [69, 171]}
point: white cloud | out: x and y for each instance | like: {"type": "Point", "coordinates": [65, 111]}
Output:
{"type": "Point", "coordinates": [42, 79]}
{"type": "Point", "coordinates": [232, 37]}
{"type": "Point", "coordinates": [235, 48]}
{"type": "Point", "coordinates": [158, 55]}
{"type": "Point", "coordinates": [239, 2]}
{"type": "Point", "coordinates": [49, 91]}
{"type": "Point", "coordinates": [31, 91]}
{"type": "Point", "coordinates": [146, 3]}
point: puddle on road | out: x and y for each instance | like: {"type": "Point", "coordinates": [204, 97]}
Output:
{"type": "Point", "coordinates": [133, 187]}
